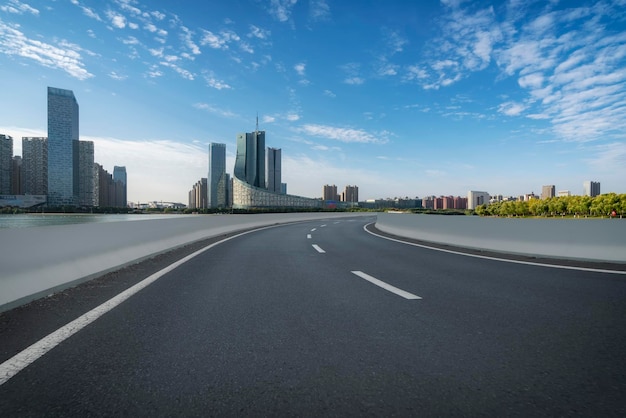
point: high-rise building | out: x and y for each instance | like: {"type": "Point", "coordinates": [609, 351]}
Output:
{"type": "Point", "coordinates": [591, 188]}
{"type": "Point", "coordinates": [217, 180]}
{"type": "Point", "coordinates": [16, 180]}
{"type": "Point", "coordinates": [250, 159]}
{"type": "Point", "coordinates": [351, 194]}
{"type": "Point", "coordinates": [330, 193]}
{"type": "Point", "coordinates": [475, 199]}
{"type": "Point", "coordinates": [35, 165]}
{"type": "Point", "coordinates": [63, 184]}
{"type": "Point", "coordinates": [273, 170]}
{"type": "Point", "coordinates": [198, 195]}
{"type": "Point", "coordinates": [85, 176]}
{"type": "Point", "coordinates": [120, 179]}
{"type": "Point", "coordinates": [548, 191]}
{"type": "Point", "coordinates": [6, 163]}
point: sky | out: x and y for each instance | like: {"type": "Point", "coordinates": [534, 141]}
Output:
{"type": "Point", "coordinates": [401, 98]}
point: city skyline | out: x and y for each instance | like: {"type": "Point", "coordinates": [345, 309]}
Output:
{"type": "Point", "coordinates": [432, 98]}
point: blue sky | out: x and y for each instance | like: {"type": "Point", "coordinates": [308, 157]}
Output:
{"type": "Point", "coordinates": [402, 98]}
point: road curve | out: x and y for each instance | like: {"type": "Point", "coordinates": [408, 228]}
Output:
{"type": "Point", "coordinates": [322, 318]}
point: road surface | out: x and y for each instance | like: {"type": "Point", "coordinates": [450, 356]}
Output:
{"type": "Point", "coordinates": [323, 318]}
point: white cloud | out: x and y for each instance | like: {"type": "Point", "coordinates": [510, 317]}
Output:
{"type": "Point", "coordinates": [215, 110]}
{"type": "Point", "coordinates": [157, 169]}
{"type": "Point", "coordinates": [259, 33]}
{"type": "Point", "coordinates": [300, 68]}
{"type": "Point", "coordinates": [188, 75]}
{"type": "Point", "coordinates": [354, 80]}
{"type": "Point", "coordinates": [65, 57]}
{"type": "Point", "coordinates": [329, 93]}
{"type": "Point", "coordinates": [116, 76]}
{"type": "Point", "coordinates": [219, 41]}
{"type": "Point", "coordinates": [216, 84]}
{"type": "Point", "coordinates": [116, 19]}
{"type": "Point", "coordinates": [186, 36]}
{"type": "Point", "coordinates": [511, 108]}
{"type": "Point", "coordinates": [347, 135]}
{"type": "Point", "coordinates": [17, 7]}
{"type": "Point", "coordinates": [319, 10]}
{"type": "Point", "coordinates": [281, 9]}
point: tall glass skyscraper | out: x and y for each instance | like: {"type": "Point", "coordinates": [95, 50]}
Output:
{"type": "Point", "coordinates": [591, 188]}
{"type": "Point", "coordinates": [63, 186]}
{"type": "Point", "coordinates": [6, 163]}
{"type": "Point", "coordinates": [119, 178]}
{"type": "Point", "coordinates": [216, 179]}
{"type": "Point", "coordinates": [273, 164]}
{"type": "Point", "coordinates": [250, 160]}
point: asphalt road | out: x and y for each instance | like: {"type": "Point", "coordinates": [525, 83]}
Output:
{"type": "Point", "coordinates": [282, 322]}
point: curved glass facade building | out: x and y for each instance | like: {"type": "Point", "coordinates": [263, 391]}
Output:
{"type": "Point", "coordinates": [249, 188]}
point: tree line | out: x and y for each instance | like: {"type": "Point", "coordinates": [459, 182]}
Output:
{"type": "Point", "coordinates": [609, 204]}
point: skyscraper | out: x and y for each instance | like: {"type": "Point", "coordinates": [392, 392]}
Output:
{"type": "Point", "coordinates": [351, 194]}
{"type": "Point", "coordinates": [250, 160]}
{"type": "Point", "coordinates": [591, 188]}
{"type": "Point", "coordinates": [6, 163]}
{"type": "Point", "coordinates": [35, 165]}
{"type": "Point", "coordinates": [85, 173]}
{"type": "Point", "coordinates": [121, 187]}
{"type": "Point", "coordinates": [16, 181]}
{"type": "Point", "coordinates": [548, 191]}
{"type": "Point", "coordinates": [63, 185]}
{"type": "Point", "coordinates": [216, 180]}
{"type": "Point", "coordinates": [329, 192]}
{"type": "Point", "coordinates": [273, 170]}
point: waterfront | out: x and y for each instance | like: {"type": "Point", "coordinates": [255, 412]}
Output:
{"type": "Point", "coordinates": [29, 220]}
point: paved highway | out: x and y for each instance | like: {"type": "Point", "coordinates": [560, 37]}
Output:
{"type": "Point", "coordinates": [324, 319]}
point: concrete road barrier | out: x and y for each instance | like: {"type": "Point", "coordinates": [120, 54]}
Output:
{"type": "Point", "coordinates": [602, 240]}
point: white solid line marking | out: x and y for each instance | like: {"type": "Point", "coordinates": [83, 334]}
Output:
{"type": "Point", "coordinates": [386, 286]}
{"type": "Point", "coordinates": [506, 260]}
{"type": "Point", "coordinates": [21, 360]}
{"type": "Point", "coordinates": [308, 236]}
{"type": "Point", "coordinates": [319, 250]}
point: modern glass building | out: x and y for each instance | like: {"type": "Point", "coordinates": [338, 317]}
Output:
{"type": "Point", "coordinates": [591, 188]}
{"type": "Point", "coordinates": [249, 188]}
{"type": "Point", "coordinates": [35, 165]}
{"type": "Point", "coordinates": [63, 148]}
{"type": "Point", "coordinates": [6, 163]}
{"type": "Point", "coordinates": [250, 160]}
{"type": "Point", "coordinates": [119, 177]}
{"type": "Point", "coordinates": [217, 183]}
{"type": "Point", "coordinates": [273, 167]}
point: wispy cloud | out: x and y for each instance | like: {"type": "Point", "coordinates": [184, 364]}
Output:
{"type": "Point", "coordinates": [511, 108]}
{"type": "Point", "coordinates": [65, 56]}
{"type": "Point", "coordinates": [347, 135]}
{"type": "Point", "coordinates": [319, 10]}
{"type": "Point", "coordinates": [215, 110]}
{"type": "Point", "coordinates": [259, 33]}
{"type": "Point", "coordinates": [281, 9]}
{"type": "Point", "coordinates": [215, 83]}
{"type": "Point", "coordinates": [17, 7]}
